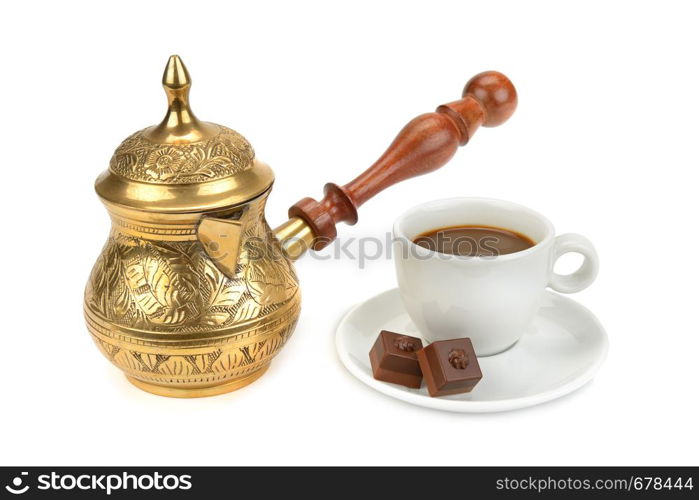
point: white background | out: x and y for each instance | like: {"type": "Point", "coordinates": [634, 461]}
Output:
{"type": "Point", "coordinates": [604, 143]}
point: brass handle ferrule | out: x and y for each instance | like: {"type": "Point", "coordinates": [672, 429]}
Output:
{"type": "Point", "coordinates": [295, 236]}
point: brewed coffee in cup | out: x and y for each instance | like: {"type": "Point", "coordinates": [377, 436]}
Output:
{"type": "Point", "coordinates": [488, 279]}
{"type": "Point", "coordinates": [474, 241]}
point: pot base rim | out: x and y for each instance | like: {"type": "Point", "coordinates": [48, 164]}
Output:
{"type": "Point", "coordinates": [198, 392]}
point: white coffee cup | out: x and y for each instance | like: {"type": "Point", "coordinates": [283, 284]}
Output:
{"type": "Point", "coordinates": [490, 299]}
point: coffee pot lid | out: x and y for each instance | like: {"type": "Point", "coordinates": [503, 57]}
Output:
{"type": "Point", "coordinates": [183, 164]}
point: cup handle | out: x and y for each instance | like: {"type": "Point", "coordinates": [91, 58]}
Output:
{"type": "Point", "coordinates": [585, 275]}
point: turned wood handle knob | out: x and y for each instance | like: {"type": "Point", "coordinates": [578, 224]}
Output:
{"type": "Point", "coordinates": [425, 144]}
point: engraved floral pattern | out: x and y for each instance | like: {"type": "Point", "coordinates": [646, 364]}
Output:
{"type": "Point", "coordinates": [164, 163]}
{"type": "Point", "coordinates": [226, 154]}
{"type": "Point", "coordinates": [174, 287]}
{"type": "Point", "coordinates": [146, 286]}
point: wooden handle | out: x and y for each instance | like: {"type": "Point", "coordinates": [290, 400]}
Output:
{"type": "Point", "coordinates": [425, 144]}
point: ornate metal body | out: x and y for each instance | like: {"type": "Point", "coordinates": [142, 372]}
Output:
{"type": "Point", "coordinates": [160, 310]}
{"type": "Point", "coordinates": [157, 304]}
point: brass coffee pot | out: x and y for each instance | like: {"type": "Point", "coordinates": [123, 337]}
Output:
{"type": "Point", "coordinates": [193, 293]}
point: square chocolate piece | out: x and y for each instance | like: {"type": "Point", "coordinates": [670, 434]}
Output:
{"type": "Point", "coordinates": [393, 359]}
{"type": "Point", "coordinates": [449, 367]}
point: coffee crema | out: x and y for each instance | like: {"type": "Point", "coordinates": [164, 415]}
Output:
{"type": "Point", "coordinates": [474, 241]}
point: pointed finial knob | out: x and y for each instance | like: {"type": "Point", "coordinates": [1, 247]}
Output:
{"type": "Point", "coordinates": [176, 77]}
{"type": "Point", "coordinates": [179, 125]}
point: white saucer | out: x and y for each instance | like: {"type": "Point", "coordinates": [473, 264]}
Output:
{"type": "Point", "coordinates": [563, 349]}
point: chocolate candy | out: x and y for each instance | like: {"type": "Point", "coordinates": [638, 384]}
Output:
{"type": "Point", "coordinates": [393, 359]}
{"type": "Point", "coordinates": [449, 367]}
